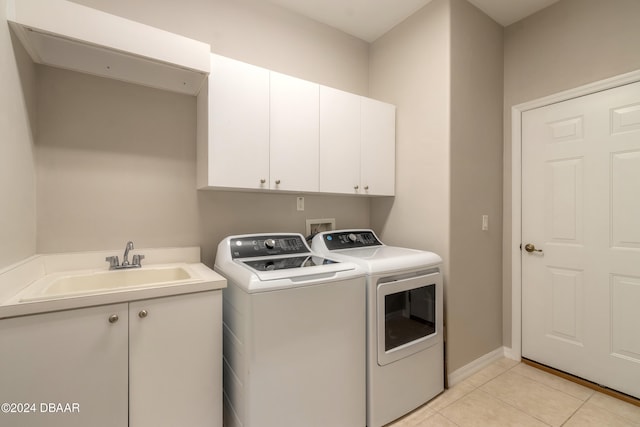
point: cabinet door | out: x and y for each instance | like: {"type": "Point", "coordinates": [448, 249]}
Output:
{"type": "Point", "coordinates": [339, 141]}
{"type": "Point", "coordinates": [294, 134]}
{"type": "Point", "coordinates": [238, 151]}
{"type": "Point", "coordinates": [176, 361]}
{"type": "Point", "coordinates": [378, 147]}
{"type": "Point", "coordinates": [74, 357]}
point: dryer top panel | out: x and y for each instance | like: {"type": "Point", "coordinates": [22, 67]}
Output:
{"type": "Point", "coordinates": [367, 251]}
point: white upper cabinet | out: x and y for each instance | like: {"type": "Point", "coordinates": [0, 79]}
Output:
{"type": "Point", "coordinates": [233, 126]}
{"type": "Point", "coordinates": [262, 130]}
{"type": "Point", "coordinates": [69, 35]}
{"type": "Point", "coordinates": [294, 133]}
{"type": "Point", "coordinates": [378, 147]}
{"type": "Point", "coordinates": [339, 141]}
{"type": "Point", "coordinates": [357, 144]}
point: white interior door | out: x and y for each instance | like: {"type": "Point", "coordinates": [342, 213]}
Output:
{"type": "Point", "coordinates": [581, 208]}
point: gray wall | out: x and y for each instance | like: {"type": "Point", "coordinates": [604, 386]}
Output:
{"type": "Point", "coordinates": [17, 175]}
{"type": "Point", "coordinates": [566, 45]}
{"type": "Point", "coordinates": [117, 161]}
{"type": "Point", "coordinates": [410, 67]}
{"type": "Point", "coordinates": [442, 67]}
{"type": "Point", "coordinates": [474, 293]}
{"type": "Point", "coordinates": [121, 165]}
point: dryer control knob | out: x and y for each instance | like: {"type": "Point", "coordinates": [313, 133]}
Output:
{"type": "Point", "coordinates": [270, 243]}
{"type": "Point", "coordinates": [352, 237]}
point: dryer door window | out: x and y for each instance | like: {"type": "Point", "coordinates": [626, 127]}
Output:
{"type": "Point", "coordinates": [407, 316]}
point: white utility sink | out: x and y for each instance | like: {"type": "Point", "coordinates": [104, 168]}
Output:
{"type": "Point", "coordinates": [54, 282]}
{"type": "Point", "coordinates": [92, 282]}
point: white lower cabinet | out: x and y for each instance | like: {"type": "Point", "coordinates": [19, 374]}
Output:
{"type": "Point", "coordinates": [175, 361]}
{"type": "Point", "coordinates": [147, 363]}
{"type": "Point", "coordinates": [68, 357]}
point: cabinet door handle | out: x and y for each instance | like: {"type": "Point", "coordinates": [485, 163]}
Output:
{"type": "Point", "coordinates": [113, 318]}
{"type": "Point", "coordinates": [143, 314]}
{"type": "Point", "coordinates": [366, 187]}
{"type": "Point", "coordinates": [277, 181]}
{"type": "Point", "coordinates": [355, 187]}
{"type": "Point", "coordinates": [262, 181]}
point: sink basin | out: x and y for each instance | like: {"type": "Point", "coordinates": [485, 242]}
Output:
{"type": "Point", "coordinates": [113, 280]}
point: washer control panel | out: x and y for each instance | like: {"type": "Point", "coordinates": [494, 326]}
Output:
{"type": "Point", "coordinates": [257, 246]}
{"type": "Point", "coordinates": [350, 239]}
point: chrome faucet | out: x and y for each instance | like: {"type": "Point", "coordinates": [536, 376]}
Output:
{"type": "Point", "coordinates": [125, 257]}
{"type": "Point", "coordinates": [114, 263]}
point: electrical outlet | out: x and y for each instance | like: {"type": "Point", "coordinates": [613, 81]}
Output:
{"type": "Point", "coordinates": [300, 203]}
{"type": "Point", "coordinates": [317, 225]}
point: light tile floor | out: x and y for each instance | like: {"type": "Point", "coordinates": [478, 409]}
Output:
{"type": "Point", "coordinates": [507, 393]}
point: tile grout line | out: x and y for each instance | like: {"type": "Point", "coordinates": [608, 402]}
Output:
{"type": "Point", "coordinates": [576, 411]}
{"type": "Point", "coordinates": [472, 387]}
{"type": "Point", "coordinates": [538, 382]}
{"type": "Point", "coordinates": [517, 409]}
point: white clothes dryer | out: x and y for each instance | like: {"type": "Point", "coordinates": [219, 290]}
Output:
{"type": "Point", "coordinates": [405, 357]}
{"type": "Point", "coordinates": [293, 335]}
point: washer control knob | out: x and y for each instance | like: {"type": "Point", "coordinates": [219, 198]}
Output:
{"type": "Point", "coordinates": [270, 243]}
{"type": "Point", "coordinates": [352, 237]}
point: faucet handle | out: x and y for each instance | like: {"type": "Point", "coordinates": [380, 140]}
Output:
{"type": "Point", "coordinates": [137, 260]}
{"type": "Point", "coordinates": [113, 261]}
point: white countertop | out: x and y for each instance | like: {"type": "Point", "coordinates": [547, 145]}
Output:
{"type": "Point", "coordinates": [25, 278]}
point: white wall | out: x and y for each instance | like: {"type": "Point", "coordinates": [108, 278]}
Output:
{"type": "Point", "coordinates": [116, 162]}
{"type": "Point", "coordinates": [260, 33]}
{"type": "Point", "coordinates": [566, 45]}
{"type": "Point", "coordinates": [17, 176]}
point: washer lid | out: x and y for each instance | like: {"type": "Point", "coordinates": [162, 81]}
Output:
{"type": "Point", "coordinates": [293, 268]}
{"type": "Point", "coordinates": [271, 264]}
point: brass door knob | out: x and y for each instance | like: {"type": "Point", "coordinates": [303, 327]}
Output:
{"type": "Point", "coordinates": [529, 247]}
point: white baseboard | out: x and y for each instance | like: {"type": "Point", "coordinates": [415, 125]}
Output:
{"type": "Point", "coordinates": [510, 354]}
{"type": "Point", "coordinates": [481, 362]}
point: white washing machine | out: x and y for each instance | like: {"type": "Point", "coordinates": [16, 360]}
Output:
{"type": "Point", "coordinates": [294, 335]}
{"type": "Point", "coordinates": [405, 357]}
